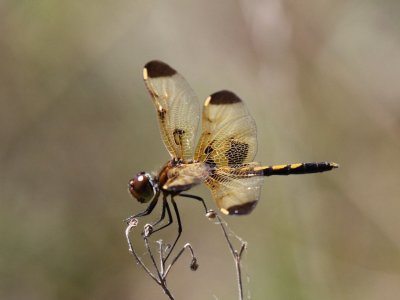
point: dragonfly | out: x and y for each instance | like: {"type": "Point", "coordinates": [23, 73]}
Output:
{"type": "Point", "coordinates": [223, 158]}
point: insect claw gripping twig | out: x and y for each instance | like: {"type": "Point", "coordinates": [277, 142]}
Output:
{"type": "Point", "coordinates": [211, 214]}
{"type": "Point", "coordinates": [148, 230]}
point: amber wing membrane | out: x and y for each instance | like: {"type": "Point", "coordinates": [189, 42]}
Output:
{"type": "Point", "coordinates": [228, 132]}
{"type": "Point", "coordinates": [228, 144]}
{"type": "Point", "coordinates": [236, 190]}
{"type": "Point", "coordinates": [177, 108]}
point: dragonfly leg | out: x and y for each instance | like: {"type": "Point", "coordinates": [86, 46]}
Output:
{"type": "Point", "coordinates": [178, 218]}
{"type": "Point", "coordinates": [196, 198]}
{"type": "Point", "coordinates": [146, 212]}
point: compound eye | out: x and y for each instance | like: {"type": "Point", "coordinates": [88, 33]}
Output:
{"type": "Point", "coordinates": [141, 187]}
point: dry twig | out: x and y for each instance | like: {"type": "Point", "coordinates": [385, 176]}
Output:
{"type": "Point", "coordinates": [162, 270]}
{"type": "Point", "coordinates": [237, 255]}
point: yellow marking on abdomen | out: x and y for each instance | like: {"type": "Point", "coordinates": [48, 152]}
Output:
{"type": "Point", "coordinates": [279, 167]}
{"type": "Point", "coordinates": [295, 166]}
{"type": "Point", "coordinates": [145, 75]}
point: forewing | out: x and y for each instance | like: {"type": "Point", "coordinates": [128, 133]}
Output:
{"type": "Point", "coordinates": [177, 108]}
{"type": "Point", "coordinates": [228, 132]}
{"type": "Point", "coordinates": [236, 191]}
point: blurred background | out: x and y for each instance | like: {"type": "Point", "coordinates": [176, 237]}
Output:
{"type": "Point", "coordinates": [321, 79]}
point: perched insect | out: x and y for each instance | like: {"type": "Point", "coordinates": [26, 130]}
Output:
{"type": "Point", "coordinates": [223, 158]}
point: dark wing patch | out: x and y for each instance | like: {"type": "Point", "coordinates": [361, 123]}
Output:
{"type": "Point", "coordinates": [242, 209]}
{"type": "Point", "coordinates": [224, 97]}
{"type": "Point", "coordinates": [178, 134]}
{"type": "Point", "coordinates": [156, 68]}
{"type": "Point", "coordinates": [237, 153]}
{"type": "Point", "coordinates": [161, 114]}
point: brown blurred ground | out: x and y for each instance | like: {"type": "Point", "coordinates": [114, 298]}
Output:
{"type": "Point", "coordinates": [321, 80]}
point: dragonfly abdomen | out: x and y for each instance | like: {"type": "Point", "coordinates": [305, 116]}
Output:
{"type": "Point", "coordinates": [299, 168]}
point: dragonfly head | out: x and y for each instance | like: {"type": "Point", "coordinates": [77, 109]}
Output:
{"type": "Point", "coordinates": [142, 187]}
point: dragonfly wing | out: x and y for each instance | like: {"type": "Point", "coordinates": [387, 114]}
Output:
{"type": "Point", "coordinates": [229, 132]}
{"type": "Point", "coordinates": [236, 190]}
{"type": "Point", "coordinates": [177, 108]}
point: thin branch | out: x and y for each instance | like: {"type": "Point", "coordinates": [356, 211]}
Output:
{"type": "Point", "coordinates": [133, 223]}
{"type": "Point", "coordinates": [193, 264]}
{"type": "Point", "coordinates": [237, 256]}
{"type": "Point", "coordinates": [147, 232]}
{"type": "Point", "coordinates": [162, 272]}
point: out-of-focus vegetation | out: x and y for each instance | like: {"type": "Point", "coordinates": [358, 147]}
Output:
{"type": "Point", "coordinates": [321, 79]}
